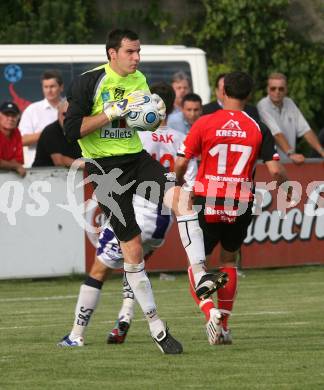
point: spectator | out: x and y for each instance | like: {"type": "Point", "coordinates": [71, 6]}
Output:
{"type": "Point", "coordinates": [53, 149]}
{"type": "Point", "coordinates": [219, 102]}
{"type": "Point", "coordinates": [191, 110]}
{"type": "Point", "coordinates": [181, 86]}
{"type": "Point", "coordinates": [41, 113]}
{"type": "Point", "coordinates": [11, 150]}
{"type": "Point", "coordinates": [285, 120]}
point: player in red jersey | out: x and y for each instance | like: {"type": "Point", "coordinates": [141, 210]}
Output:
{"type": "Point", "coordinates": [229, 142]}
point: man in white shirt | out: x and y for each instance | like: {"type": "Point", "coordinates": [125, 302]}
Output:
{"type": "Point", "coordinates": [285, 120]}
{"type": "Point", "coordinates": [40, 114]}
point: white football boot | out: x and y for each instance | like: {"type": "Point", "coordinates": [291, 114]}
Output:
{"type": "Point", "coordinates": [214, 326]}
{"type": "Point", "coordinates": [67, 342]}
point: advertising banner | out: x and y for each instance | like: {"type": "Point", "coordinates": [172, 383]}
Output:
{"type": "Point", "coordinates": [279, 235]}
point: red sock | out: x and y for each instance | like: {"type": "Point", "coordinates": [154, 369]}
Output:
{"type": "Point", "coordinates": [226, 295]}
{"type": "Point", "coordinates": [204, 305]}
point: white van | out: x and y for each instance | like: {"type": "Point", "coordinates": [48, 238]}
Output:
{"type": "Point", "coordinates": [22, 65]}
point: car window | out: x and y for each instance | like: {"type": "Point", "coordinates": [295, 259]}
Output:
{"type": "Point", "coordinates": [21, 82]}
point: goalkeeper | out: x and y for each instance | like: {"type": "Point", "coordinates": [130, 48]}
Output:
{"type": "Point", "coordinates": [98, 101]}
{"type": "Point", "coordinates": [153, 224]}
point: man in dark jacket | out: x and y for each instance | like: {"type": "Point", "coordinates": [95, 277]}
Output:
{"type": "Point", "coordinates": [53, 149]}
{"type": "Point", "coordinates": [218, 103]}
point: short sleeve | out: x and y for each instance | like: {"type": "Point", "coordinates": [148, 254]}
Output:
{"type": "Point", "coordinates": [192, 144]}
{"type": "Point", "coordinates": [79, 96]}
{"type": "Point", "coordinates": [302, 126]}
{"type": "Point", "coordinates": [268, 119]}
{"type": "Point", "coordinates": [26, 122]}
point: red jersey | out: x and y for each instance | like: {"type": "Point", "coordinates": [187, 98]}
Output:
{"type": "Point", "coordinates": [229, 143]}
{"type": "Point", "coordinates": [11, 148]}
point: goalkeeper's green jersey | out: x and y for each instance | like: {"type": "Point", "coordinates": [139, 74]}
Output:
{"type": "Point", "coordinates": [87, 97]}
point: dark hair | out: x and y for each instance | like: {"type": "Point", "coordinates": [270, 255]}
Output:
{"type": "Point", "coordinates": [53, 74]}
{"type": "Point", "coordinates": [166, 92]}
{"type": "Point", "coordinates": [219, 77]}
{"type": "Point", "coordinates": [191, 97]}
{"type": "Point", "coordinates": [238, 85]}
{"type": "Point", "coordinates": [115, 38]}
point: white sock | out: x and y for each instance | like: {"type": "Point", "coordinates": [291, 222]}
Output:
{"type": "Point", "coordinates": [198, 271]}
{"type": "Point", "coordinates": [142, 289]}
{"type": "Point", "coordinates": [126, 312]}
{"type": "Point", "coordinates": [156, 327]}
{"type": "Point", "coordinates": [192, 238]}
{"type": "Point", "coordinates": [87, 302]}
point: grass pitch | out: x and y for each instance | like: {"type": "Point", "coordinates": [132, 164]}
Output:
{"type": "Point", "coordinates": [277, 326]}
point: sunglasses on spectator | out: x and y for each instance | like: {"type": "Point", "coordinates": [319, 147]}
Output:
{"type": "Point", "coordinates": [280, 89]}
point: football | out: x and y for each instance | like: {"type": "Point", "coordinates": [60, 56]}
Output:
{"type": "Point", "coordinates": [146, 120]}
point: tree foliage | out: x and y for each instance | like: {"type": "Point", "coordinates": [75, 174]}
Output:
{"type": "Point", "coordinates": [46, 21]}
{"type": "Point", "coordinates": [147, 18]}
{"type": "Point", "coordinates": [236, 34]}
{"type": "Point", "coordinates": [254, 36]}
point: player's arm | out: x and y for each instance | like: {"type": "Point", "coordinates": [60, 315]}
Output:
{"type": "Point", "coordinates": [182, 201]}
{"type": "Point", "coordinates": [180, 168]}
{"type": "Point", "coordinates": [90, 123]}
{"type": "Point", "coordinates": [79, 122]}
{"type": "Point", "coordinates": [79, 96]}
{"type": "Point", "coordinates": [277, 171]}
{"type": "Point", "coordinates": [270, 157]}
{"type": "Point", "coordinates": [190, 148]}
{"type": "Point", "coordinates": [112, 111]}
{"type": "Point", "coordinates": [279, 174]}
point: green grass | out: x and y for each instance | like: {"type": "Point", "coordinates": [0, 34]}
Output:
{"type": "Point", "coordinates": [277, 326]}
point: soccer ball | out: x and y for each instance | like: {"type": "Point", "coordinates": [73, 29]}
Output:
{"type": "Point", "coordinates": [146, 120]}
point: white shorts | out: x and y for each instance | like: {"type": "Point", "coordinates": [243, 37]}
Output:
{"type": "Point", "coordinates": [154, 227]}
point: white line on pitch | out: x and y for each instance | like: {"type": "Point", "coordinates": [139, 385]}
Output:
{"type": "Point", "coordinates": [143, 320]}
{"type": "Point", "coordinates": [62, 297]}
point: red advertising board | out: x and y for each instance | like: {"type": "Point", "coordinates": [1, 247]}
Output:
{"type": "Point", "coordinates": [293, 237]}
